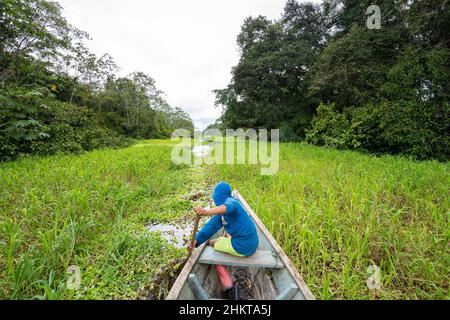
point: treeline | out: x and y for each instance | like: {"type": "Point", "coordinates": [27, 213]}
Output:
{"type": "Point", "coordinates": [56, 96]}
{"type": "Point", "coordinates": [321, 75]}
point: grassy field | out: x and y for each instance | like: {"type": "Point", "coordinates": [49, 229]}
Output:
{"type": "Point", "coordinates": [90, 211]}
{"type": "Point", "coordinates": [335, 213]}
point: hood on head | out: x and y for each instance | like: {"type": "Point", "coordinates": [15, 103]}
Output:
{"type": "Point", "coordinates": [221, 193]}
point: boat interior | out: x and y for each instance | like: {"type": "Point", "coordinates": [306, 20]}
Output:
{"type": "Point", "coordinates": [271, 279]}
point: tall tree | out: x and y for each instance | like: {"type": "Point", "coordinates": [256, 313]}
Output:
{"type": "Point", "coordinates": [270, 83]}
{"type": "Point", "coordinates": [33, 29]}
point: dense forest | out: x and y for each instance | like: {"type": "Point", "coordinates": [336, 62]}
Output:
{"type": "Point", "coordinates": [321, 75]}
{"type": "Point", "coordinates": [57, 96]}
{"type": "Point", "coordinates": [318, 73]}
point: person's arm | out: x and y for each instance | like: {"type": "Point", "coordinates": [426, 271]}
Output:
{"type": "Point", "coordinates": [208, 230]}
{"type": "Point", "coordinates": [220, 210]}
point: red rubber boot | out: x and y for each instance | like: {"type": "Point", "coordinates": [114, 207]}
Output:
{"type": "Point", "coordinates": [225, 277]}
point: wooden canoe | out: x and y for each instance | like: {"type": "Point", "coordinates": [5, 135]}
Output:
{"type": "Point", "coordinates": [273, 274]}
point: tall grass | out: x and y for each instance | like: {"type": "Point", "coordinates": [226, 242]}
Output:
{"type": "Point", "coordinates": [90, 211]}
{"type": "Point", "coordinates": [337, 213]}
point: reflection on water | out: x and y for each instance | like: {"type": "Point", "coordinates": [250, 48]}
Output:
{"type": "Point", "coordinates": [202, 151]}
{"type": "Point", "coordinates": [176, 235]}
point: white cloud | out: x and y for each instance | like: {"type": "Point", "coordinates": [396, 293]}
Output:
{"type": "Point", "coordinates": [188, 47]}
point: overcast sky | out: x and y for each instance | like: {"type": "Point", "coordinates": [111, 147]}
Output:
{"type": "Point", "coordinates": [187, 46]}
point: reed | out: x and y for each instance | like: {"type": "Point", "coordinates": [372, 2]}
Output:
{"type": "Point", "coordinates": [336, 213]}
{"type": "Point", "coordinates": [91, 211]}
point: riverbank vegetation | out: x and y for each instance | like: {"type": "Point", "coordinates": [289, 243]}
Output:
{"type": "Point", "coordinates": [320, 74]}
{"type": "Point", "coordinates": [57, 96]}
{"type": "Point", "coordinates": [336, 213]}
{"type": "Point", "coordinates": [90, 211]}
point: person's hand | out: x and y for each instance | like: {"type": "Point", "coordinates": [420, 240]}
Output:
{"type": "Point", "coordinates": [200, 211]}
{"type": "Point", "coordinates": [190, 246]}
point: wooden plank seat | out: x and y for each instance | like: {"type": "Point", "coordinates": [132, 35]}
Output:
{"type": "Point", "coordinates": [261, 259]}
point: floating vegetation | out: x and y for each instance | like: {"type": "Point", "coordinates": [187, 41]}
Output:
{"type": "Point", "coordinates": [175, 234]}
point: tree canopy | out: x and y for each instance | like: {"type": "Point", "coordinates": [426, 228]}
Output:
{"type": "Point", "coordinates": [363, 79]}
{"type": "Point", "coordinates": [57, 96]}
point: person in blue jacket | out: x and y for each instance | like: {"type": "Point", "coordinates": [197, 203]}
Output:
{"type": "Point", "coordinates": [241, 238]}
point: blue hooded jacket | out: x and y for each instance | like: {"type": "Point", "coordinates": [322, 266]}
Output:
{"type": "Point", "coordinates": [236, 222]}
